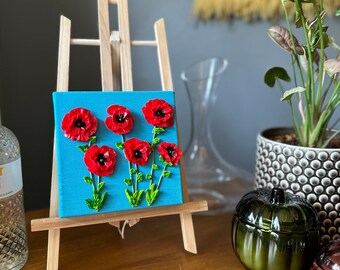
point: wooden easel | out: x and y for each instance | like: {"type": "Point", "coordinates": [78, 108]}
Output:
{"type": "Point", "coordinates": [116, 73]}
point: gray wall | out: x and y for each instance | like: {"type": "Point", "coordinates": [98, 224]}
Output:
{"type": "Point", "coordinates": [28, 57]}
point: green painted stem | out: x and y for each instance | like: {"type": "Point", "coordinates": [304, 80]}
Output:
{"type": "Point", "coordinates": [130, 167]}
{"type": "Point", "coordinates": [136, 181]}
{"type": "Point", "coordinates": [161, 177]}
{"type": "Point", "coordinates": [153, 157]}
{"type": "Point", "coordinates": [93, 185]}
{"type": "Point", "coordinates": [151, 171]}
{"type": "Point", "coordinates": [129, 163]}
{"type": "Point", "coordinates": [98, 181]}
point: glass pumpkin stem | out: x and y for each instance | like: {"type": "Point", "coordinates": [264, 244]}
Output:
{"type": "Point", "coordinates": [277, 196]}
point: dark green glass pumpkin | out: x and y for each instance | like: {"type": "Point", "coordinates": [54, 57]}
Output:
{"type": "Point", "coordinates": [274, 229]}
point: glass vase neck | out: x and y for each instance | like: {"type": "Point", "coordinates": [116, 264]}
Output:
{"type": "Point", "coordinates": [208, 175]}
{"type": "Point", "coordinates": [201, 80]}
{"type": "Point", "coordinates": [202, 77]}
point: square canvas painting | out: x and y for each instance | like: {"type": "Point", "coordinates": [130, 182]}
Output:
{"type": "Point", "coordinates": [116, 151]}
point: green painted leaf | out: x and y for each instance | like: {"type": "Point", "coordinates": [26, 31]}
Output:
{"type": "Point", "coordinates": [166, 174]}
{"type": "Point", "coordinates": [129, 197]}
{"type": "Point", "coordinates": [120, 145]}
{"type": "Point", "coordinates": [128, 181]}
{"type": "Point", "coordinates": [154, 194]}
{"type": "Point", "coordinates": [153, 187]}
{"type": "Point", "coordinates": [287, 95]}
{"type": "Point", "coordinates": [103, 197]}
{"type": "Point", "coordinates": [83, 148]}
{"type": "Point", "coordinates": [95, 194]}
{"type": "Point", "coordinates": [156, 140]}
{"type": "Point", "coordinates": [89, 203]}
{"type": "Point", "coordinates": [137, 197]}
{"type": "Point", "coordinates": [274, 74]}
{"type": "Point", "coordinates": [158, 130]}
{"type": "Point", "coordinates": [88, 180]}
{"type": "Point", "coordinates": [133, 171]}
{"type": "Point", "coordinates": [154, 166]}
{"type": "Point", "coordinates": [148, 196]}
{"type": "Point", "coordinates": [139, 177]}
{"type": "Point", "coordinates": [100, 186]}
{"type": "Point", "coordinates": [127, 193]}
{"type": "Point", "coordinates": [139, 194]}
{"type": "Point", "coordinates": [148, 176]}
{"type": "Point", "coordinates": [93, 139]}
{"type": "Point", "coordinates": [151, 195]}
{"type": "Point", "coordinates": [161, 159]}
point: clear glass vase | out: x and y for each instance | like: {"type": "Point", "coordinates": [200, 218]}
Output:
{"type": "Point", "coordinates": [209, 176]}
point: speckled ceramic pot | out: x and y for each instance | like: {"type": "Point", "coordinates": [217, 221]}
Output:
{"type": "Point", "coordinates": [312, 173]}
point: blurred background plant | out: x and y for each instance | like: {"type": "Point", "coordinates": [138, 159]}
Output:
{"type": "Point", "coordinates": [252, 10]}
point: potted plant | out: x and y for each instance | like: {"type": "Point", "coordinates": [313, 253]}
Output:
{"type": "Point", "coordinates": [305, 159]}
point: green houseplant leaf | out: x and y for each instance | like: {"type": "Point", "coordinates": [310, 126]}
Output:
{"type": "Point", "coordinates": [287, 95]}
{"type": "Point", "coordinates": [274, 74]}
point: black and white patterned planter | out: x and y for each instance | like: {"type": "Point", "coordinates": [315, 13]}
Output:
{"type": "Point", "coordinates": [312, 173]}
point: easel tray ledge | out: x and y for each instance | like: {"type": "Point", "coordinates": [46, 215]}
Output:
{"type": "Point", "coordinates": [44, 224]}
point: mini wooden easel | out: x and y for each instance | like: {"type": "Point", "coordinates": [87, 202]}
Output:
{"type": "Point", "coordinates": [116, 73]}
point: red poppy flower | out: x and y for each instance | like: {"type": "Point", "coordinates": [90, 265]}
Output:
{"type": "Point", "coordinates": [79, 124]}
{"type": "Point", "coordinates": [100, 160]}
{"type": "Point", "coordinates": [170, 152]}
{"type": "Point", "coordinates": [137, 151]}
{"type": "Point", "coordinates": [120, 120]}
{"type": "Point", "coordinates": [159, 113]}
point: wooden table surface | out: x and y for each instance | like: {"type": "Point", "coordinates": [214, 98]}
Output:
{"type": "Point", "coordinates": [153, 243]}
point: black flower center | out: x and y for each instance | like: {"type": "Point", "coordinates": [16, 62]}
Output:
{"type": "Point", "coordinates": [101, 159]}
{"type": "Point", "coordinates": [171, 151]}
{"type": "Point", "coordinates": [159, 113]}
{"type": "Point", "coordinates": [120, 118]}
{"type": "Point", "coordinates": [137, 154]}
{"type": "Point", "coordinates": [79, 124]}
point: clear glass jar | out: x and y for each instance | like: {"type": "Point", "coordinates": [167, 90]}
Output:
{"type": "Point", "coordinates": [13, 237]}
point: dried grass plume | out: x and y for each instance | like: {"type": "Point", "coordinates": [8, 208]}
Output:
{"type": "Point", "coordinates": [250, 10]}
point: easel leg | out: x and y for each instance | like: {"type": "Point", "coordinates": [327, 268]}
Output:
{"type": "Point", "coordinates": [53, 249]}
{"type": "Point", "coordinates": [188, 233]}
{"type": "Point", "coordinates": [53, 234]}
